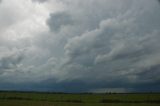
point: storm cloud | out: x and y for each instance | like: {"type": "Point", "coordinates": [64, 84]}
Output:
{"type": "Point", "coordinates": [95, 45]}
{"type": "Point", "coordinates": [58, 20]}
{"type": "Point", "coordinates": [9, 61]}
{"type": "Point", "coordinates": [40, 1]}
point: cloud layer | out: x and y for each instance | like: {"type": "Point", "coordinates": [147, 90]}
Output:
{"type": "Point", "coordinates": [100, 45]}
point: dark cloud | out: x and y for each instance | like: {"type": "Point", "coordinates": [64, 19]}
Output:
{"type": "Point", "coordinates": [10, 62]}
{"type": "Point", "coordinates": [40, 1]}
{"type": "Point", "coordinates": [59, 20]}
{"type": "Point", "coordinates": [79, 86]}
{"type": "Point", "coordinates": [120, 49]}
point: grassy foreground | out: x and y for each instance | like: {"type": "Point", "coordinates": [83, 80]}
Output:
{"type": "Point", "coordinates": [52, 99]}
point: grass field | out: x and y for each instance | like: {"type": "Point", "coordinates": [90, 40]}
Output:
{"type": "Point", "coordinates": [53, 99]}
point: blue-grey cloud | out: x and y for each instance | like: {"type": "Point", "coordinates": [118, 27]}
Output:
{"type": "Point", "coordinates": [119, 50]}
{"type": "Point", "coordinates": [9, 60]}
{"type": "Point", "coordinates": [40, 1]}
{"type": "Point", "coordinates": [95, 45]}
{"type": "Point", "coordinates": [59, 20]}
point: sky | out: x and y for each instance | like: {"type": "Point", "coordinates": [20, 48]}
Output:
{"type": "Point", "coordinates": [80, 45]}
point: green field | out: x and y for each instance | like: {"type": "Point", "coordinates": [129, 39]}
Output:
{"type": "Point", "coordinates": [53, 99]}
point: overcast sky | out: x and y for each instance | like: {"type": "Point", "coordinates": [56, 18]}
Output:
{"type": "Point", "coordinates": [80, 45]}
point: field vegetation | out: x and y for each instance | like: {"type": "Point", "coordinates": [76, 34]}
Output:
{"type": "Point", "coordinates": [84, 99]}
